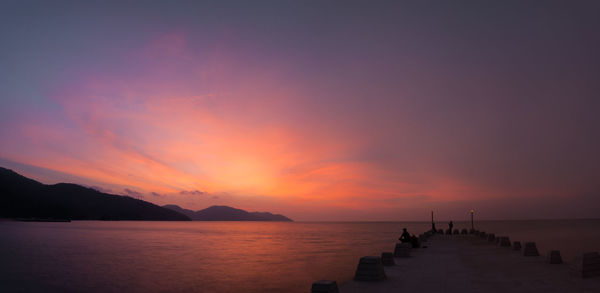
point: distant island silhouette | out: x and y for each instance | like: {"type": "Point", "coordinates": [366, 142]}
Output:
{"type": "Point", "coordinates": [225, 213]}
{"type": "Point", "coordinates": [24, 198]}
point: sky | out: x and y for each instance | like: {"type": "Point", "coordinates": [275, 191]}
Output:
{"type": "Point", "coordinates": [318, 110]}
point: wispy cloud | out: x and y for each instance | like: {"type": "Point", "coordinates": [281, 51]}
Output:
{"type": "Point", "coordinates": [133, 193]}
{"type": "Point", "coordinates": [101, 189]}
{"type": "Point", "coordinates": [157, 194]}
{"type": "Point", "coordinates": [192, 192]}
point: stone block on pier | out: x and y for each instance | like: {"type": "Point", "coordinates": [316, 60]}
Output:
{"type": "Point", "coordinates": [491, 237]}
{"type": "Point", "coordinates": [587, 265]}
{"type": "Point", "coordinates": [464, 231]}
{"type": "Point", "coordinates": [455, 231]}
{"type": "Point", "coordinates": [483, 235]}
{"type": "Point", "coordinates": [530, 249]}
{"type": "Point", "coordinates": [448, 232]}
{"type": "Point", "coordinates": [370, 268]}
{"type": "Point", "coordinates": [387, 259]}
{"type": "Point", "coordinates": [554, 257]}
{"type": "Point", "coordinates": [402, 250]}
{"type": "Point", "coordinates": [440, 231]}
{"type": "Point", "coordinates": [324, 286]}
{"type": "Point", "coordinates": [517, 245]}
{"type": "Point", "coordinates": [504, 241]}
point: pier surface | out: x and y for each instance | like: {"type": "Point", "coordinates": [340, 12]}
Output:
{"type": "Point", "coordinates": [466, 263]}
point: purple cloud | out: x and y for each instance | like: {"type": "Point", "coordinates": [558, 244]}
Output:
{"type": "Point", "coordinates": [192, 192]}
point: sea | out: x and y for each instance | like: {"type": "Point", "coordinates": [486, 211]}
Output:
{"type": "Point", "coordinates": [141, 256]}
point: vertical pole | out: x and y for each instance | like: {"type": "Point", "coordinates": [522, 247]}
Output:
{"type": "Point", "coordinates": [472, 225]}
{"type": "Point", "coordinates": [432, 224]}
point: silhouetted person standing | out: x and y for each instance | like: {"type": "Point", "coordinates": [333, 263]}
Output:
{"type": "Point", "coordinates": [451, 225]}
{"type": "Point", "coordinates": [405, 237]}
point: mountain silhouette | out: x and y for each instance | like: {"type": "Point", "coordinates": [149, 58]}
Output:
{"type": "Point", "coordinates": [21, 197]}
{"type": "Point", "coordinates": [225, 213]}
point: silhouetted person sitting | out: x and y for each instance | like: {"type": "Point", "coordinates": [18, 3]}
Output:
{"type": "Point", "coordinates": [405, 237]}
{"type": "Point", "coordinates": [414, 240]}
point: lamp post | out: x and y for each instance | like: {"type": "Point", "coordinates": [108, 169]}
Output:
{"type": "Point", "coordinates": [432, 223]}
{"type": "Point", "coordinates": [472, 225]}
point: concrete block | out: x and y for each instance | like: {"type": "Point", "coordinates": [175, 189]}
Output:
{"type": "Point", "coordinates": [370, 268]}
{"type": "Point", "coordinates": [530, 249]}
{"type": "Point", "coordinates": [456, 231]}
{"type": "Point", "coordinates": [387, 258]}
{"type": "Point", "coordinates": [517, 245]}
{"type": "Point", "coordinates": [324, 286]}
{"type": "Point", "coordinates": [554, 257]}
{"type": "Point", "coordinates": [504, 241]}
{"type": "Point", "coordinates": [491, 237]}
{"type": "Point", "coordinates": [587, 265]}
{"type": "Point", "coordinates": [402, 250]}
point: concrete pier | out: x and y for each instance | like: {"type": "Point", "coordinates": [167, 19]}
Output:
{"type": "Point", "coordinates": [470, 264]}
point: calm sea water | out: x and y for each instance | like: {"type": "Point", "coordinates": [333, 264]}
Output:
{"type": "Point", "coordinates": [91, 256]}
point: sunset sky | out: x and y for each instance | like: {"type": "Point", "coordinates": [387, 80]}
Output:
{"type": "Point", "coordinates": [319, 110]}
